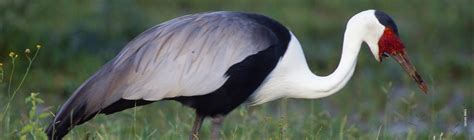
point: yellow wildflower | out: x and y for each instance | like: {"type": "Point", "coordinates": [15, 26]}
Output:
{"type": "Point", "coordinates": [12, 54]}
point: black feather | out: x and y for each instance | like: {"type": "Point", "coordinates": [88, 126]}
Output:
{"type": "Point", "coordinates": [386, 20]}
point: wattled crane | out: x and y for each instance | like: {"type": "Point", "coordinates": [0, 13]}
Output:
{"type": "Point", "coordinates": [215, 61]}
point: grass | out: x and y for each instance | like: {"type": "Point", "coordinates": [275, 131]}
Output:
{"type": "Point", "coordinates": [395, 113]}
{"type": "Point", "coordinates": [279, 120]}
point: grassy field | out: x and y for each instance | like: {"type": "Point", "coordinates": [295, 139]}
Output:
{"type": "Point", "coordinates": [379, 102]}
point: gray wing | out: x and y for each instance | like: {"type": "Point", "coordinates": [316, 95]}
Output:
{"type": "Point", "coordinates": [186, 56]}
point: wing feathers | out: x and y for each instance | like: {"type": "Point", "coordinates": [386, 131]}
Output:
{"type": "Point", "coordinates": [186, 56]}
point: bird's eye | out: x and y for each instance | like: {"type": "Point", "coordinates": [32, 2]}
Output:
{"type": "Point", "coordinates": [384, 55]}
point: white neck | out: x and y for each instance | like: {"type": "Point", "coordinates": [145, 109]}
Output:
{"type": "Point", "coordinates": [321, 86]}
{"type": "Point", "coordinates": [293, 78]}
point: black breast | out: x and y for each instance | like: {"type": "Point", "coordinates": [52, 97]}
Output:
{"type": "Point", "coordinates": [244, 77]}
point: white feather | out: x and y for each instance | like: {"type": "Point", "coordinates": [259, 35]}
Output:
{"type": "Point", "coordinates": [292, 77]}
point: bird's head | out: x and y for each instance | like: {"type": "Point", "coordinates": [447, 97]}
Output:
{"type": "Point", "coordinates": [380, 33]}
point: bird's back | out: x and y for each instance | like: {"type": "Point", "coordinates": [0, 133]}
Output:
{"type": "Point", "coordinates": [188, 56]}
{"type": "Point", "coordinates": [207, 54]}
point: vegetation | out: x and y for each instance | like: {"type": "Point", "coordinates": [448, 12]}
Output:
{"type": "Point", "coordinates": [380, 101]}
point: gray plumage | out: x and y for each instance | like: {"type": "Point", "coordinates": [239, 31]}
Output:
{"type": "Point", "coordinates": [186, 56]}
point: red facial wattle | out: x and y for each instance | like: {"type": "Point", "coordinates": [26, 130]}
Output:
{"type": "Point", "coordinates": [390, 44]}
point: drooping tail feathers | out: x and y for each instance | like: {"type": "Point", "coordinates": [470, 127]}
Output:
{"type": "Point", "coordinates": [74, 112]}
{"type": "Point", "coordinates": [96, 95]}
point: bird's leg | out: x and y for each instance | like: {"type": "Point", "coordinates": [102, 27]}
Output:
{"type": "Point", "coordinates": [216, 125]}
{"type": "Point", "coordinates": [197, 125]}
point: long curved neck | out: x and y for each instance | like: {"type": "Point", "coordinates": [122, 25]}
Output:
{"type": "Point", "coordinates": [350, 50]}
{"type": "Point", "coordinates": [321, 86]}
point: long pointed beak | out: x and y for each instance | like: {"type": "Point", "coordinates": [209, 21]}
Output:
{"type": "Point", "coordinates": [402, 58]}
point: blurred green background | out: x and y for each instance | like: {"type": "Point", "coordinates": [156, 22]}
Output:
{"type": "Point", "coordinates": [379, 102]}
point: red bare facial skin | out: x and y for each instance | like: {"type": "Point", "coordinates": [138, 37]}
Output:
{"type": "Point", "coordinates": [390, 44]}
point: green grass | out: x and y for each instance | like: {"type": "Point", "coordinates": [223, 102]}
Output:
{"type": "Point", "coordinates": [279, 120]}
{"type": "Point", "coordinates": [379, 102]}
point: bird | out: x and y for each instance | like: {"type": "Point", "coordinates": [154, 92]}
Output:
{"type": "Point", "coordinates": [214, 62]}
